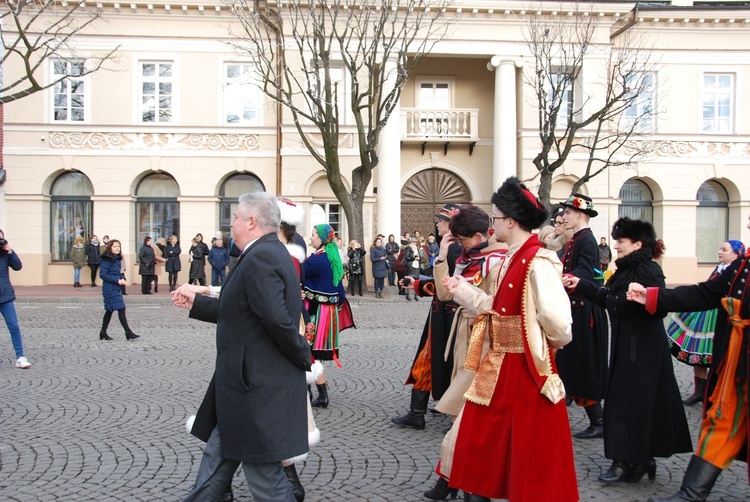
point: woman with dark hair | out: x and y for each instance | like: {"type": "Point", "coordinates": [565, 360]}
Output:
{"type": "Point", "coordinates": [378, 257]}
{"type": "Point", "coordinates": [146, 262]}
{"type": "Point", "coordinates": [173, 261]}
{"type": "Point", "coordinates": [561, 236]}
{"type": "Point", "coordinates": [326, 302]}
{"type": "Point", "coordinates": [391, 252]}
{"type": "Point", "coordinates": [112, 280]}
{"type": "Point", "coordinates": [644, 417]}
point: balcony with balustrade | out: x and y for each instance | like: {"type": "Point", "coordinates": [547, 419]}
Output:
{"type": "Point", "coordinates": [446, 126]}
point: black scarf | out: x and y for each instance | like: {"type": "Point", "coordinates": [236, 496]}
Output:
{"type": "Point", "coordinates": [638, 267]}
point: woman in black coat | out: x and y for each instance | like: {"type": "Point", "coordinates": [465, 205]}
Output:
{"type": "Point", "coordinates": [391, 250]}
{"type": "Point", "coordinates": [379, 268]}
{"type": "Point", "coordinates": [92, 257]}
{"type": "Point", "coordinates": [147, 262]}
{"type": "Point", "coordinates": [643, 417]}
{"type": "Point", "coordinates": [173, 261]}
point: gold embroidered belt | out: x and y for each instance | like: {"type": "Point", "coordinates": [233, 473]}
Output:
{"type": "Point", "coordinates": [506, 337]}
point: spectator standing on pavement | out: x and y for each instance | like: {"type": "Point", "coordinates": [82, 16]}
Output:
{"type": "Point", "coordinates": [112, 281]}
{"type": "Point", "coordinates": [78, 255]}
{"type": "Point", "coordinates": [391, 250]}
{"type": "Point", "coordinates": [583, 363]}
{"type": "Point", "coordinates": [160, 250]}
{"type": "Point", "coordinates": [234, 254]}
{"type": "Point", "coordinates": [92, 257]}
{"type": "Point", "coordinates": [197, 262]}
{"type": "Point", "coordinates": [379, 257]}
{"type": "Point", "coordinates": [514, 419]}
{"type": "Point", "coordinates": [10, 260]}
{"type": "Point", "coordinates": [644, 417]}
{"type": "Point", "coordinates": [356, 264]}
{"type": "Point", "coordinates": [411, 263]}
{"type": "Point", "coordinates": [325, 300]}
{"type": "Point", "coordinates": [257, 325]}
{"type": "Point", "coordinates": [103, 244]}
{"type": "Point", "coordinates": [146, 264]}
{"type": "Point", "coordinates": [605, 254]}
{"type": "Point", "coordinates": [218, 257]}
{"type": "Point", "coordinates": [545, 234]}
{"type": "Point", "coordinates": [173, 265]}
{"type": "Point", "coordinates": [400, 268]}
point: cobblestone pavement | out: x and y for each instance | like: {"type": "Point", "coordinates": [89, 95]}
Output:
{"type": "Point", "coordinates": [95, 420]}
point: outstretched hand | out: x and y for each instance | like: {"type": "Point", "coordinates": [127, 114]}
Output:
{"type": "Point", "coordinates": [184, 295]}
{"type": "Point", "coordinates": [636, 293]}
{"type": "Point", "coordinates": [452, 282]}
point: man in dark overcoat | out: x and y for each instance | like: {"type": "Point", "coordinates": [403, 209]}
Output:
{"type": "Point", "coordinates": [431, 370]}
{"type": "Point", "coordinates": [254, 410]}
{"type": "Point", "coordinates": [583, 362]}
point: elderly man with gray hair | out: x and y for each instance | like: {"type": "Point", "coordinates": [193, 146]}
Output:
{"type": "Point", "coordinates": [254, 410]}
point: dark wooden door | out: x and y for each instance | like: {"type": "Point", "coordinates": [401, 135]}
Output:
{"type": "Point", "coordinates": [424, 194]}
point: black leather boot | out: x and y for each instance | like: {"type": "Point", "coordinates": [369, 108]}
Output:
{"type": "Point", "coordinates": [639, 470]}
{"type": "Point", "coordinates": [297, 488]}
{"type": "Point", "coordinates": [699, 478]}
{"type": "Point", "coordinates": [104, 336]}
{"type": "Point", "coordinates": [417, 410]}
{"type": "Point", "coordinates": [322, 400]}
{"type": "Point", "coordinates": [441, 491]}
{"type": "Point", "coordinates": [617, 472]}
{"type": "Point", "coordinates": [700, 391]}
{"type": "Point", "coordinates": [596, 425]}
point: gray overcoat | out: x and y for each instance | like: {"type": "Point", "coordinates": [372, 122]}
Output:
{"type": "Point", "coordinates": [257, 394]}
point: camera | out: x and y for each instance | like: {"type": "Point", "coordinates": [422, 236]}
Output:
{"type": "Point", "coordinates": [3, 243]}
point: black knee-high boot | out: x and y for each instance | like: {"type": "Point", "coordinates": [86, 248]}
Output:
{"type": "Point", "coordinates": [697, 483]}
{"type": "Point", "coordinates": [417, 410]}
{"type": "Point", "coordinates": [698, 393]}
{"type": "Point", "coordinates": [596, 425]}
{"type": "Point", "coordinates": [322, 400]}
{"type": "Point", "coordinates": [297, 489]}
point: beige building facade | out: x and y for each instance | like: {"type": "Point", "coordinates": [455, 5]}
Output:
{"type": "Point", "coordinates": [166, 138]}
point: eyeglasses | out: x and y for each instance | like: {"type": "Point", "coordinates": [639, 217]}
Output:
{"type": "Point", "coordinates": [495, 218]}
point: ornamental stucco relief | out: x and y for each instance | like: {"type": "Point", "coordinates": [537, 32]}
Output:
{"type": "Point", "coordinates": [153, 141]}
{"type": "Point", "coordinates": [695, 149]}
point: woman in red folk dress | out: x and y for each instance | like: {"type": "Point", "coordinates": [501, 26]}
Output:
{"type": "Point", "coordinates": [512, 438]}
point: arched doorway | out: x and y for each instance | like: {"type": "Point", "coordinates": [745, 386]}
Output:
{"type": "Point", "coordinates": [425, 193]}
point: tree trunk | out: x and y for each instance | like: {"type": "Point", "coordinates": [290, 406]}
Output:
{"type": "Point", "coordinates": [545, 189]}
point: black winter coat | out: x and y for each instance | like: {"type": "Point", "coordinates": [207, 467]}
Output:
{"type": "Point", "coordinates": [582, 363]}
{"type": "Point", "coordinates": [92, 254]}
{"type": "Point", "coordinates": [643, 415]}
{"type": "Point", "coordinates": [146, 260]}
{"type": "Point", "coordinates": [173, 258]}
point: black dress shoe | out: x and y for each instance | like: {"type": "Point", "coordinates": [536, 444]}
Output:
{"type": "Point", "coordinates": [617, 473]}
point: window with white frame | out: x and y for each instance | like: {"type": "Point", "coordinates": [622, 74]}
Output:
{"type": "Point", "coordinates": [561, 82]}
{"type": "Point", "coordinates": [69, 93]}
{"type": "Point", "coordinates": [241, 95]}
{"type": "Point", "coordinates": [435, 98]}
{"type": "Point", "coordinates": [330, 213]}
{"type": "Point", "coordinates": [157, 91]}
{"type": "Point", "coordinates": [641, 111]}
{"type": "Point", "coordinates": [718, 102]}
{"type": "Point", "coordinates": [637, 201]}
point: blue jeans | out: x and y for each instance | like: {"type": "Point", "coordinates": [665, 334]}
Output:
{"type": "Point", "coordinates": [216, 274]}
{"type": "Point", "coordinates": [11, 320]}
{"type": "Point", "coordinates": [267, 482]}
{"type": "Point", "coordinates": [76, 274]}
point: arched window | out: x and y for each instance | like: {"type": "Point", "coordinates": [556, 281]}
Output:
{"type": "Point", "coordinates": [71, 212]}
{"type": "Point", "coordinates": [230, 192]}
{"type": "Point", "coordinates": [637, 201]}
{"type": "Point", "coordinates": [157, 211]}
{"type": "Point", "coordinates": [711, 220]}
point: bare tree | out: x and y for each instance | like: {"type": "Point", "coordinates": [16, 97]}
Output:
{"type": "Point", "coordinates": [602, 124]}
{"type": "Point", "coordinates": [327, 59]}
{"type": "Point", "coordinates": [35, 31]}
